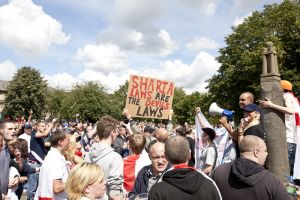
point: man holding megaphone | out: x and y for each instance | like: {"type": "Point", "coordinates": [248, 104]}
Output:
{"type": "Point", "coordinates": [245, 99]}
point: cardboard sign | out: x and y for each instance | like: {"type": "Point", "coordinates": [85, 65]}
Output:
{"type": "Point", "coordinates": [149, 98]}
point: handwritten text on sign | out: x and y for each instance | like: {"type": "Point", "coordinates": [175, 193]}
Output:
{"type": "Point", "coordinates": [149, 98]}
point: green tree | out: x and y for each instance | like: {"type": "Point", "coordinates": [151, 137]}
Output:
{"type": "Point", "coordinates": [184, 106]}
{"type": "Point", "coordinates": [54, 102]}
{"type": "Point", "coordinates": [26, 91]}
{"type": "Point", "coordinates": [89, 101]}
{"type": "Point", "coordinates": [118, 100]}
{"type": "Point", "coordinates": [241, 58]}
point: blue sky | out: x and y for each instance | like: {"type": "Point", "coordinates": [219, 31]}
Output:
{"type": "Point", "coordinates": [72, 41]}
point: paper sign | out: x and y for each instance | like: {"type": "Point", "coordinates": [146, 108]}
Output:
{"type": "Point", "coordinates": [149, 97]}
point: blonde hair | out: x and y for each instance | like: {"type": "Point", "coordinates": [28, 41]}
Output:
{"type": "Point", "coordinates": [69, 152]}
{"type": "Point", "coordinates": [81, 176]}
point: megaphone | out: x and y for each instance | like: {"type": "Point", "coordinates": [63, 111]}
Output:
{"type": "Point", "coordinates": [214, 109]}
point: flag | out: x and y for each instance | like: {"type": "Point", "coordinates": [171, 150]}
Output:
{"type": "Point", "coordinates": [198, 142]}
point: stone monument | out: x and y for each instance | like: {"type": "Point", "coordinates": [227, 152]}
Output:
{"type": "Point", "coordinates": [273, 120]}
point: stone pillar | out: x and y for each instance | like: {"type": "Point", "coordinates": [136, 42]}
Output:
{"type": "Point", "coordinates": [273, 120]}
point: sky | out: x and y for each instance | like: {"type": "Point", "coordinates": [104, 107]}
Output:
{"type": "Point", "coordinates": [73, 41]}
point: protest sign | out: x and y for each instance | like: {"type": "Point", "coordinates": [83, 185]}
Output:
{"type": "Point", "coordinates": [149, 97]}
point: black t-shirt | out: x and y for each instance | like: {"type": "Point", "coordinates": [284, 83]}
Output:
{"type": "Point", "coordinates": [37, 145]}
{"type": "Point", "coordinates": [257, 130]}
{"type": "Point", "coordinates": [191, 162]}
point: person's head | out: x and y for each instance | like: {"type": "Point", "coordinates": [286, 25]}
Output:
{"type": "Point", "coordinates": [245, 99]}
{"type": "Point", "coordinates": [208, 135]}
{"type": "Point", "coordinates": [8, 130]}
{"type": "Point", "coordinates": [286, 85]}
{"type": "Point", "coordinates": [59, 139]}
{"type": "Point", "coordinates": [177, 150]}
{"type": "Point", "coordinates": [86, 180]}
{"type": "Point", "coordinates": [107, 128]}
{"type": "Point", "coordinates": [122, 131]}
{"type": "Point", "coordinates": [20, 148]}
{"type": "Point", "coordinates": [69, 151]}
{"type": "Point", "coordinates": [254, 148]}
{"type": "Point", "coordinates": [41, 126]}
{"type": "Point", "coordinates": [251, 112]}
{"type": "Point", "coordinates": [157, 157]}
{"type": "Point", "coordinates": [162, 135]}
{"type": "Point", "coordinates": [27, 129]}
{"type": "Point", "coordinates": [183, 131]}
{"type": "Point", "coordinates": [148, 131]}
{"type": "Point", "coordinates": [137, 143]}
{"type": "Point", "coordinates": [79, 127]}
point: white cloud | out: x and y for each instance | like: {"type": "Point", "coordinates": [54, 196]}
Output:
{"type": "Point", "coordinates": [200, 43]}
{"type": "Point", "coordinates": [103, 58]}
{"type": "Point", "coordinates": [7, 70]}
{"type": "Point", "coordinates": [61, 81]}
{"type": "Point", "coordinates": [240, 20]}
{"type": "Point", "coordinates": [137, 14]}
{"type": "Point", "coordinates": [27, 29]}
{"type": "Point", "coordinates": [156, 42]}
{"type": "Point", "coordinates": [207, 7]}
{"type": "Point", "coordinates": [111, 81]}
{"type": "Point", "coordinates": [191, 76]}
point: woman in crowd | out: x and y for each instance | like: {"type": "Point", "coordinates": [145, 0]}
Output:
{"type": "Point", "coordinates": [250, 124]}
{"type": "Point", "coordinates": [86, 181]}
{"type": "Point", "coordinates": [73, 152]}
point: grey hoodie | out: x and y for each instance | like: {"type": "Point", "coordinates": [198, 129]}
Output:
{"type": "Point", "coordinates": [112, 164]}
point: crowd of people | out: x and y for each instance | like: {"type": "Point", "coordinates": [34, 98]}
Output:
{"type": "Point", "coordinates": [116, 160]}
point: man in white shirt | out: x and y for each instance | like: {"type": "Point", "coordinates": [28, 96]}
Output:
{"type": "Point", "coordinates": [54, 171]}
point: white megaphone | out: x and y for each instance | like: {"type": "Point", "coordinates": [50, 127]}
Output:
{"type": "Point", "coordinates": [214, 109]}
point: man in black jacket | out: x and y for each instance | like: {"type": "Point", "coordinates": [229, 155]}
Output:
{"type": "Point", "coordinates": [183, 181]}
{"type": "Point", "coordinates": [151, 174]}
{"type": "Point", "coordinates": [245, 178]}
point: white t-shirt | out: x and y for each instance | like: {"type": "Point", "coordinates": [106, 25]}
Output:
{"type": "Point", "coordinates": [54, 167]}
{"type": "Point", "coordinates": [27, 138]}
{"type": "Point", "coordinates": [208, 157]}
{"type": "Point", "coordinates": [290, 121]}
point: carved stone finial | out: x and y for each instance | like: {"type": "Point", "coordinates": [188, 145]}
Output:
{"type": "Point", "coordinates": [270, 66]}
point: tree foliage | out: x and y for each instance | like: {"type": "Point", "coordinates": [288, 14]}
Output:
{"type": "Point", "coordinates": [54, 102]}
{"type": "Point", "coordinates": [86, 101]}
{"type": "Point", "coordinates": [241, 58]}
{"type": "Point", "coordinates": [27, 91]}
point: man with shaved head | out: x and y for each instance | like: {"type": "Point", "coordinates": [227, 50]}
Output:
{"type": "Point", "coordinates": [245, 178]}
{"type": "Point", "coordinates": [245, 99]}
{"type": "Point", "coordinates": [149, 175]}
{"type": "Point", "coordinates": [183, 181]}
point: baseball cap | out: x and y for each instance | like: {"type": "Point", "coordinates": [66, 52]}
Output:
{"type": "Point", "coordinates": [210, 132]}
{"type": "Point", "coordinates": [251, 107]}
{"type": "Point", "coordinates": [286, 85]}
{"type": "Point", "coordinates": [28, 126]}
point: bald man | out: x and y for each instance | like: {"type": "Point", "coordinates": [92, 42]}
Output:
{"type": "Point", "coordinates": [245, 178]}
{"type": "Point", "coordinates": [149, 175]}
{"type": "Point", "coordinates": [245, 99]}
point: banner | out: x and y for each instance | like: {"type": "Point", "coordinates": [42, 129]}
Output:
{"type": "Point", "coordinates": [198, 141]}
{"type": "Point", "coordinates": [149, 98]}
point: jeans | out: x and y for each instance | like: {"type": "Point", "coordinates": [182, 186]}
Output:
{"type": "Point", "coordinates": [32, 184]}
{"type": "Point", "coordinates": [291, 155]}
